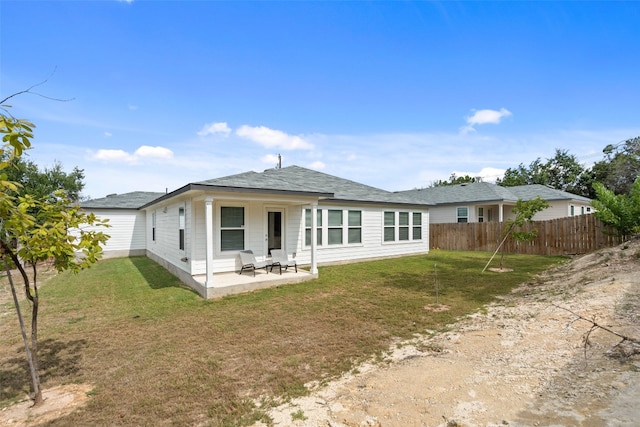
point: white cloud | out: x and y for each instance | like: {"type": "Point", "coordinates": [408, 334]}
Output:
{"type": "Point", "coordinates": [132, 107]}
{"type": "Point", "coordinates": [271, 138]}
{"type": "Point", "coordinates": [317, 165]}
{"type": "Point", "coordinates": [270, 159]}
{"type": "Point", "coordinates": [215, 128]}
{"type": "Point", "coordinates": [121, 156]}
{"type": "Point", "coordinates": [114, 156]}
{"type": "Point", "coordinates": [157, 152]}
{"type": "Point", "coordinates": [488, 174]}
{"type": "Point", "coordinates": [108, 134]}
{"type": "Point", "coordinates": [482, 117]}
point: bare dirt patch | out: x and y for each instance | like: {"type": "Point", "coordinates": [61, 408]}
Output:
{"type": "Point", "coordinates": [523, 362]}
{"type": "Point", "coordinates": [58, 402]}
{"type": "Point", "coordinates": [500, 269]}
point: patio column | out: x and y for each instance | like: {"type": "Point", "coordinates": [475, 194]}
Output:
{"type": "Point", "coordinates": [314, 237]}
{"type": "Point", "coordinates": [208, 232]}
{"type": "Point", "coordinates": [501, 212]}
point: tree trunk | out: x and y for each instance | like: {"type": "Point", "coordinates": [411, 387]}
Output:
{"type": "Point", "coordinates": [35, 379]}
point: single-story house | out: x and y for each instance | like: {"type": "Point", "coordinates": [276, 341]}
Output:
{"type": "Point", "coordinates": [198, 230]}
{"type": "Point", "coordinates": [486, 202]}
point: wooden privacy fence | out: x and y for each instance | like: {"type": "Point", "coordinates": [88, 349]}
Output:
{"type": "Point", "coordinates": [563, 236]}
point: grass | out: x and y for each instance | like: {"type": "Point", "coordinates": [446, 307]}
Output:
{"type": "Point", "coordinates": [157, 353]}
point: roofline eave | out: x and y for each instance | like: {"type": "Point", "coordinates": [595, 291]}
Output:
{"type": "Point", "coordinates": [229, 189]}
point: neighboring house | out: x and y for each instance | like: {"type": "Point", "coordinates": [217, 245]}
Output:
{"type": "Point", "coordinates": [198, 230]}
{"type": "Point", "coordinates": [486, 202]}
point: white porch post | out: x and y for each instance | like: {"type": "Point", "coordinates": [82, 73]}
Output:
{"type": "Point", "coordinates": [501, 212]}
{"type": "Point", "coordinates": [208, 232]}
{"type": "Point", "coordinates": [314, 237]}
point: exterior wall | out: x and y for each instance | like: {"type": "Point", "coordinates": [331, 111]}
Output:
{"type": "Point", "coordinates": [449, 213]}
{"type": "Point", "coordinates": [558, 209]}
{"type": "Point", "coordinates": [255, 232]}
{"type": "Point", "coordinates": [561, 209]}
{"type": "Point", "coordinates": [372, 246]}
{"type": "Point", "coordinates": [155, 232]}
{"type": "Point", "coordinates": [127, 232]}
{"type": "Point", "coordinates": [166, 243]}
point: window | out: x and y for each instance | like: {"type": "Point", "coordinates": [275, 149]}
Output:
{"type": "Point", "coordinates": [572, 210]}
{"type": "Point", "coordinates": [334, 232]}
{"type": "Point", "coordinates": [389, 226]}
{"type": "Point", "coordinates": [231, 228]}
{"type": "Point", "coordinates": [480, 214]}
{"type": "Point", "coordinates": [181, 221]}
{"type": "Point", "coordinates": [463, 214]}
{"type": "Point", "coordinates": [582, 210]}
{"type": "Point", "coordinates": [355, 227]}
{"type": "Point", "coordinates": [402, 226]}
{"type": "Point", "coordinates": [403, 229]}
{"type": "Point", "coordinates": [417, 226]}
{"type": "Point", "coordinates": [307, 225]}
{"type": "Point", "coordinates": [588, 209]}
{"type": "Point", "coordinates": [153, 226]}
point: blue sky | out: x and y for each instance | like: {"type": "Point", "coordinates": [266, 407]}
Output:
{"type": "Point", "coordinates": [391, 94]}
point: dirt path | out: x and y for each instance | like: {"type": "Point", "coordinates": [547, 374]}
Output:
{"type": "Point", "coordinates": [522, 363]}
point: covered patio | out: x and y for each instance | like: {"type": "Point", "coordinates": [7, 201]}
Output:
{"type": "Point", "coordinates": [233, 283]}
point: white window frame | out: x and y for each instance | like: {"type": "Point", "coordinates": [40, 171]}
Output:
{"type": "Point", "coordinates": [220, 228]}
{"type": "Point", "coordinates": [405, 232]}
{"type": "Point", "coordinates": [331, 227]}
{"type": "Point", "coordinates": [307, 227]}
{"type": "Point", "coordinates": [182, 224]}
{"type": "Point", "coordinates": [350, 227]}
{"type": "Point", "coordinates": [153, 226]}
{"type": "Point", "coordinates": [459, 217]}
{"type": "Point", "coordinates": [415, 226]}
{"type": "Point", "coordinates": [323, 227]}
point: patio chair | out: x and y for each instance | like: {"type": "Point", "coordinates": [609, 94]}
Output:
{"type": "Point", "coordinates": [280, 259]}
{"type": "Point", "coordinates": [249, 262]}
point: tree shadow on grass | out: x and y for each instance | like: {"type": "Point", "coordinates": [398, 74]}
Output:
{"type": "Point", "coordinates": [58, 359]}
{"type": "Point", "coordinates": [156, 275]}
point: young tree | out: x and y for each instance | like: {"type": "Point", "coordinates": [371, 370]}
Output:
{"type": "Point", "coordinates": [524, 213]}
{"type": "Point", "coordinates": [33, 231]}
{"type": "Point", "coordinates": [620, 211]}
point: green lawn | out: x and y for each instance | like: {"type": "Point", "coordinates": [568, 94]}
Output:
{"type": "Point", "coordinates": [156, 353]}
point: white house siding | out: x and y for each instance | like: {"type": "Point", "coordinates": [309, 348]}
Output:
{"type": "Point", "coordinates": [557, 209]}
{"type": "Point", "coordinates": [166, 245]}
{"type": "Point", "coordinates": [372, 245]}
{"type": "Point", "coordinates": [255, 232]}
{"type": "Point", "coordinates": [449, 213]}
{"type": "Point", "coordinates": [127, 232]}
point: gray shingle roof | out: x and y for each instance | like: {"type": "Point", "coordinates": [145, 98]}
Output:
{"type": "Point", "coordinates": [292, 179]}
{"type": "Point", "coordinates": [529, 192]}
{"type": "Point", "coordinates": [479, 192]}
{"type": "Point", "coordinates": [132, 200]}
{"type": "Point", "coordinates": [299, 179]}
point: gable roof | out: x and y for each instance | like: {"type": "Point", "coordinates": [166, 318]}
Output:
{"type": "Point", "coordinates": [290, 180]}
{"type": "Point", "coordinates": [133, 200]}
{"type": "Point", "coordinates": [485, 192]}
{"type": "Point", "coordinates": [302, 180]}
